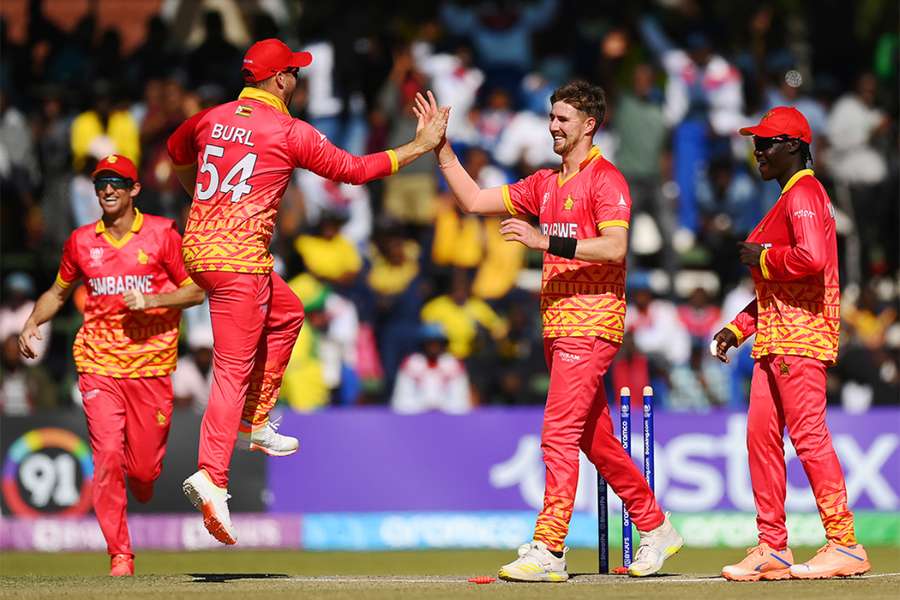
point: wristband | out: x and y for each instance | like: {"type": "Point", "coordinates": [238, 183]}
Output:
{"type": "Point", "coordinates": [562, 246]}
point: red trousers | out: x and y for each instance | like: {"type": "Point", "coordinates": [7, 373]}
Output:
{"type": "Point", "coordinates": [255, 322]}
{"type": "Point", "coordinates": [790, 390]}
{"type": "Point", "coordinates": [128, 423]}
{"type": "Point", "coordinates": [576, 417]}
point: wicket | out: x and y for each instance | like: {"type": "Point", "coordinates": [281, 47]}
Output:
{"type": "Point", "coordinates": [648, 464]}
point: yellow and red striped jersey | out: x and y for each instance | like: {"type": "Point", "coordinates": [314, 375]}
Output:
{"type": "Point", "coordinates": [115, 341]}
{"type": "Point", "coordinates": [578, 298]}
{"type": "Point", "coordinates": [798, 298]}
{"type": "Point", "coordinates": [246, 152]}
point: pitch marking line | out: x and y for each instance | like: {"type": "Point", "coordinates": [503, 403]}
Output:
{"type": "Point", "coordinates": [581, 579]}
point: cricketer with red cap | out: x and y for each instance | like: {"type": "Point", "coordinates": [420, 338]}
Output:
{"type": "Point", "coordinates": [236, 160]}
{"type": "Point", "coordinates": [792, 255]}
{"type": "Point", "coordinates": [126, 349]}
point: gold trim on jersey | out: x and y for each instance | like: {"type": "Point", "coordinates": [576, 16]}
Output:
{"type": "Point", "coordinates": [395, 164]}
{"type": "Point", "coordinates": [795, 178]}
{"type": "Point", "coordinates": [592, 154]}
{"type": "Point", "coordinates": [507, 199]}
{"type": "Point", "coordinates": [136, 225]}
{"type": "Point", "coordinates": [762, 264]}
{"type": "Point", "coordinates": [605, 224]}
{"type": "Point", "coordinates": [264, 97]}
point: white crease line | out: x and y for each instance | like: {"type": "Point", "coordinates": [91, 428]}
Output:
{"type": "Point", "coordinates": [582, 579]}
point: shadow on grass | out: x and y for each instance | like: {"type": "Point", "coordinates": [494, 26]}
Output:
{"type": "Point", "coordinates": [226, 577]}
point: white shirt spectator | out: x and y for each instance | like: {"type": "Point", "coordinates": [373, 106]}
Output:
{"type": "Point", "coordinates": [319, 74]}
{"type": "Point", "coordinates": [721, 81]}
{"type": "Point", "coordinates": [850, 127]}
{"type": "Point", "coordinates": [659, 331]}
{"type": "Point", "coordinates": [320, 195]}
{"type": "Point", "coordinates": [454, 85]}
{"type": "Point", "coordinates": [422, 386]}
{"type": "Point", "coordinates": [527, 139]}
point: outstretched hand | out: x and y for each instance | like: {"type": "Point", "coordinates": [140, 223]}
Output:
{"type": "Point", "coordinates": [431, 124]}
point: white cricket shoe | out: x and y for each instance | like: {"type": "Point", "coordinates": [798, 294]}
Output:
{"type": "Point", "coordinates": [212, 501]}
{"type": "Point", "coordinates": [536, 563]}
{"type": "Point", "coordinates": [656, 546]}
{"type": "Point", "coordinates": [267, 439]}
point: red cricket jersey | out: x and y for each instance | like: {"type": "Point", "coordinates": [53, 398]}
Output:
{"type": "Point", "coordinates": [247, 150]}
{"type": "Point", "coordinates": [797, 309]}
{"type": "Point", "coordinates": [578, 298]}
{"type": "Point", "coordinates": [115, 341]}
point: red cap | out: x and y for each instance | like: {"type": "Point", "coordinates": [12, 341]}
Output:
{"type": "Point", "coordinates": [781, 120]}
{"type": "Point", "coordinates": [268, 57]}
{"type": "Point", "coordinates": [118, 164]}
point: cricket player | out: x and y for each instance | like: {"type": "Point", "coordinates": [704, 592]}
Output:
{"type": "Point", "coordinates": [584, 210]}
{"type": "Point", "coordinates": [126, 349]}
{"type": "Point", "coordinates": [792, 255]}
{"type": "Point", "coordinates": [236, 160]}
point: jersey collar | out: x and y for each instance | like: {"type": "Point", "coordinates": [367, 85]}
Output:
{"type": "Point", "coordinates": [795, 178]}
{"type": "Point", "coordinates": [591, 156]}
{"type": "Point", "coordinates": [136, 225]}
{"type": "Point", "coordinates": [265, 97]}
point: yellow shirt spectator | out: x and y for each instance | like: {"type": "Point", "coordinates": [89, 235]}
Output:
{"type": "Point", "coordinates": [332, 259]}
{"type": "Point", "coordinates": [389, 278]}
{"type": "Point", "coordinates": [121, 133]}
{"type": "Point", "coordinates": [502, 263]}
{"type": "Point", "coordinates": [461, 321]}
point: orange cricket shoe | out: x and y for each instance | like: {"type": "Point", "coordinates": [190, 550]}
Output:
{"type": "Point", "coordinates": [121, 565]}
{"type": "Point", "coordinates": [834, 560]}
{"type": "Point", "coordinates": [761, 562]}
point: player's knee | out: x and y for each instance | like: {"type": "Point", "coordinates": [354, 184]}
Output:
{"type": "Point", "coordinates": [107, 462]}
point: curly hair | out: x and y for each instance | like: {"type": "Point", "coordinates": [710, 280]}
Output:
{"type": "Point", "coordinates": [579, 94]}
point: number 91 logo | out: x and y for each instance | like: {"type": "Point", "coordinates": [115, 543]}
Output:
{"type": "Point", "coordinates": [41, 473]}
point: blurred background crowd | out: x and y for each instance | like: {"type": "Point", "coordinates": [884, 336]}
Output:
{"type": "Point", "coordinates": [409, 303]}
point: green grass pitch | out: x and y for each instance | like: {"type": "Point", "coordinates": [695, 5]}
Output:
{"type": "Point", "coordinates": [233, 573]}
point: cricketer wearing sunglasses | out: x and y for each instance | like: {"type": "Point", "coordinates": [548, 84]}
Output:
{"type": "Point", "coordinates": [131, 266]}
{"type": "Point", "coordinates": [792, 255]}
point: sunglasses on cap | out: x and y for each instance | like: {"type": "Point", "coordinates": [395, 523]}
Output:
{"type": "Point", "coordinates": [764, 143]}
{"type": "Point", "coordinates": [117, 183]}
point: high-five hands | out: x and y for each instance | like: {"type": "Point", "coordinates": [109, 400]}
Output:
{"type": "Point", "coordinates": [431, 124]}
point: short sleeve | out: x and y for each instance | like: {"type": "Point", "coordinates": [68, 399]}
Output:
{"type": "Point", "coordinates": [172, 261]}
{"type": "Point", "coordinates": [612, 202]}
{"type": "Point", "coordinates": [181, 144]}
{"type": "Point", "coordinates": [521, 197]}
{"type": "Point", "coordinates": [69, 271]}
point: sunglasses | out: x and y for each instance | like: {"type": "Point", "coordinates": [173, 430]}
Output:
{"type": "Point", "coordinates": [763, 143]}
{"type": "Point", "coordinates": [117, 183]}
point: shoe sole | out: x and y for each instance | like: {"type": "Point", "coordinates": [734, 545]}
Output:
{"type": "Point", "coordinates": [670, 552]}
{"type": "Point", "coordinates": [547, 578]}
{"type": "Point", "coordinates": [211, 520]}
{"type": "Point", "coordinates": [774, 575]}
{"type": "Point", "coordinates": [257, 448]}
{"type": "Point", "coordinates": [861, 570]}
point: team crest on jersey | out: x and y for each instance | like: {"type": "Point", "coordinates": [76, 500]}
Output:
{"type": "Point", "coordinates": [142, 256]}
{"type": "Point", "coordinates": [96, 256]}
{"type": "Point", "coordinates": [243, 110]}
{"type": "Point", "coordinates": [569, 203]}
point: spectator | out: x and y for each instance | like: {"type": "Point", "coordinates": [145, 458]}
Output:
{"type": "Point", "coordinates": [409, 196]}
{"type": "Point", "coordinates": [327, 254]}
{"type": "Point", "coordinates": [699, 385]}
{"type": "Point", "coordinates": [104, 129]}
{"type": "Point", "coordinates": [657, 330]}
{"type": "Point", "coordinates": [455, 83]}
{"type": "Point", "coordinates": [852, 124]}
{"type": "Point", "coordinates": [462, 315]}
{"type": "Point", "coordinates": [501, 34]}
{"type": "Point", "coordinates": [432, 379]}
{"type": "Point", "coordinates": [324, 197]}
{"type": "Point", "coordinates": [703, 97]}
{"type": "Point", "coordinates": [192, 378]}
{"type": "Point", "coordinates": [700, 317]}
{"type": "Point", "coordinates": [630, 369]}
{"type": "Point", "coordinates": [51, 129]}
{"type": "Point", "coordinates": [215, 60]}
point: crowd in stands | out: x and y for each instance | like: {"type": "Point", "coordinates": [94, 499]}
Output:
{"type": "Point", "coordinates": [411, 303]}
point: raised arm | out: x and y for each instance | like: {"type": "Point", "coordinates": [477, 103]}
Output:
{"type": "Point", "coordinates": [469, 196]}
{"type": "Point", "coordinates": [45, 309]}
